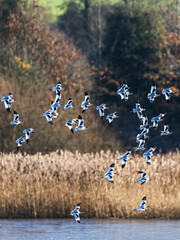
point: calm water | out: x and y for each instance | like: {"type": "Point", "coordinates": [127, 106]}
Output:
{"type": "Point", "coordinates": [89, 229]}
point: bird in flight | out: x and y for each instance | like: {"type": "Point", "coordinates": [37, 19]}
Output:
{"type": "Point", "coordinates": [8, 101]}
{"type": "Point", "coordinates": [138, 109]}
{"type": "Point", "coordinates": [80, 124]}
{"type": "Point", "coordinates": [123, 92]}
{"type": "Point", "coordinates": [141, 144]}
{"type": "Point", "coordinates": [111, 117]}
{"type": "Point", "coordinates": [143, 178]}
{"type": "Point", "coordinates": [70, 123]}
{"type": "Point", "coordinates": [110, 173]}
{"type": "Point", "coordinates": [167, 93]}
{"type": "Point", "coordinates": [76, 213]}
{"type": "Point", "coordinates": [69, 104]}
{"type": "Point", "coordinates": [143, 205]}
{"type": "Point", "coordinates": [20, 141]}
{"type": "Point", "coordinates": [166, 130]}
{"type": "Point", "coordinates": [48, 116]}
{"type": "Point", "coordinates": [27, 133]}
{"type": "Point", "coordinates": [85, 104]}
{"type": "Point", "coordinates": [58, 87]}
{"type": "Point", "coordinates": [149, 154]}
{"type": "Point", "coordinates": [16, 119]}
{"type": "Point", "coordinates": [124, 158]}
{"type": "Point", "coordinates": [157, 119]}
{"type": "Point", "coordinates": [152, 95]}
{"type": "Point", "coordinates": [101, 109]}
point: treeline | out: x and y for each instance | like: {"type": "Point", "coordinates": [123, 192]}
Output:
{"type": "Point", "coordinates": [133, 41]}
{"type": "Point", "coordinates": [94, 49]}
{"type": "Point", "coordinates": [32, 60]}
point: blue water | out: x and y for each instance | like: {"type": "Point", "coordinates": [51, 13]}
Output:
{"type": "Point", "coordinates": [89, 229]}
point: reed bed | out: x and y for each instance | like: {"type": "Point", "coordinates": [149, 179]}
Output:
{"type": "Point", "coordinates": [49, 186]}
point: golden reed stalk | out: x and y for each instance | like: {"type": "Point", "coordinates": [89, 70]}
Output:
{"type": "Point", "coordinates": [51, 185]}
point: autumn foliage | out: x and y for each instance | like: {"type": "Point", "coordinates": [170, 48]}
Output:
{"type": "Point", "coordinates": [136, 46]}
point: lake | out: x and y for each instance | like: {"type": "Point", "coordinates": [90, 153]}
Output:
{"type": "Point", "coordinates": [105, 229]}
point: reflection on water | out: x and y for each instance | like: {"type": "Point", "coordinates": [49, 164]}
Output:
{"type": "Point", "coordinates": [89, 229]}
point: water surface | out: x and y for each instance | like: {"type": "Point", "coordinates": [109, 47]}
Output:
{"type": "Point", "coordinates": [105, 229]}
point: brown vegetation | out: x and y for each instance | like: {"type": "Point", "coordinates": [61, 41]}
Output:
{"type": "Point", "coordinates": [50, 185]}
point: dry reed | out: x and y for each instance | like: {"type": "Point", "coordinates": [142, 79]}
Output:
{"type": "Point", "coordinates": [50, 185]}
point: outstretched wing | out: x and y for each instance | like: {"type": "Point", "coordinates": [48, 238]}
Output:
{"type": "Point", "coordinates": [81, 121]}
{"type": "Point", "coordinates": [77, 218]}
{"type": "Point", "coordinates": [143, 174]}
{"type": "Point", "coordinates": [143, 202]}
{"type": "Point", "coordinates": [153, 88]}
{"type": "Point", "coordinates": [127, 153]}
{"type": "Point", "coordinates": [16, 116]}
{"type": "Point", "coordinates": [77, 207]}
{"type": "Point", "coordinates": [166, 127]}
{"type": "Point", "coordinates": [110, 179]}
{"type": "Point", "coordinates": [111, 168]}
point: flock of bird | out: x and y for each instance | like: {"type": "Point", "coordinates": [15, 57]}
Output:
{"type": "Point", "coordinates": [124, 93]}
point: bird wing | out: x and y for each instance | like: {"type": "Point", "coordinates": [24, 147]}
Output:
{"type": "Point", "coordinates": [7, 104]}
{"type": "Point", "coordinates": [167, 95]}
{"type": "Point", "coordinates": [86, 97]}
{"type": "Point", "coordinates": [77, 218]}
{"type": "Point", "coordinates": [69, 102]}
{"type": "Point", "coordinates": [143, 174]}
{"type": "Point", "coordinates": [77, 207]}
{"type": "Point", "coordinates": [111, 168]}
{"type": "Point", "coordinates": [110, 178]}
{"type": "Point", "coordinates": [81, 122]}
{"type": "Point", "coordinates": [16, 116]}
{"type": "Point", "coordinates": [101, 112]}
{"type": "Point", "coordinates": [48, 117]}
{"type": "Point", "coordinates": [127, 153]}
{"type": "Point", "coordinates": [153, 88]}
{"type": "Point", "coordinates": [58, 96]}
{"type": "Point", "coordinates": [166, 128]}
{"type": "Point", "coordinates": [143, 202]}
{"type": "Point", "coordinates": [27, 135]}
{"type": "Point", "coordinates": [148, 160]}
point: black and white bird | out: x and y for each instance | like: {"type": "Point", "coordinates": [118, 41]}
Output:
{"type": "Point", "coordinates": [69, 104]}
{"type": "Point", "coordinates": [111, 117]}
{"type": "Point", "coordinates": [144, 134]}
{"type": "Point", "coordinates": [85, 104]}
{"type": "Point", "coordinates": [152, 95]}
{"type": "Point", "coordinates": [80, 124]}
{"type": "Point", "coordinates": [16, 119]}
{"type": "Point", "coordinates": [58, 97]}
{"type": "Point", "coordinates": [8, 101]}
{"type": "Point", "coordinates": [48, 116]}
{"type": "Point", "coordinates": [143, 205]}
{"type": "Point", "coordinates": [123, 92]}
{"type": "Point", "coordinates": [167, 93]}
{"type": "Point", "coordinates": [139, 110]}
{"type": "Point", "coordinates": [144, 120]}
{"type": "Point", "coordinates": [141, 144]}
{"type": "Point", "coordinates": [101, 109]}
{"type": "Point", "coordinates": [76, 213]}
{"type": "Point", "coordinates": [157, 119]}
{"type": "Point", "coordinates": [143, 178]}
{"type": "Point", "coordinates": [27, 133]}
{"type": "Point", "coordinates": [70, 123]}
{"type": "Point", "coordinates": [58, 87]}
{"type": "Point", "coordinates": [110, 173]}
{"type": "Point", "coordinates": [149, 154]}
{"type": "Point", "coordinates": [54, 108]}
{"type": "Point", "coordinates": [124, 158]}
{"type": "Point", "coordinates": [20, 141]}
{"type": "Point", "coordinates": [166, 130]}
